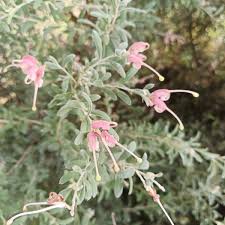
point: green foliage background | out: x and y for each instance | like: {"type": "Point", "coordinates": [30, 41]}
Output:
{"type": "Point", "coordinates": [82, 44]}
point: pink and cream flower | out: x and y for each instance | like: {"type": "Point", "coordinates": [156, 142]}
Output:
{"type": "Point", "coordinates": [34, 73]}
{"type": "Point", "coordinates": [136, 58]}
{"type": "Point", "coordinates": [99, 134]}
{"type": "Point", "coordinates": [158, 98]}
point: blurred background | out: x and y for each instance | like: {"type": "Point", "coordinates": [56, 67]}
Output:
{"type": "Point", "coordinates": [188, 43]}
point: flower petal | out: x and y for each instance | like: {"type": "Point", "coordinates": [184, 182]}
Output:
{"type": "Point", "coordinates": [29, 66]}
{"type": "Point", "coordinates": [29, 59]}
{"type": "Point", "coordinates": [162, 94]}
{"type": "Point", "coordinates": [160, 106]}
{"type": "Point", "coordinates": [39, 75]}
{"type": "Point", "coordinates": [138, 47]}
{"type": "Point", "coordinates": [93, 142]}
{"type": "Point", "coordinates": [109, 139]}
{"type": "Point", "coordinates": [103, 124]}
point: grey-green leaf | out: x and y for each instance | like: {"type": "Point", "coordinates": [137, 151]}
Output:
{"type": "Point", "coordinates": [101, 114]}
{"type": "Point", "coordinates": [118, 68]}
{"type": "Point", "coordinates": [131, 72]}
{"type": "Point", "coordinates": [64, 110]}
{"type": "Point", "coordinates": [79, 138]}
{"type": "Point", "coordinates": [66, 177]}
{"type": "Point", "coordinates": [118, 187]}
{"type": "Point", "coordinates": [98, 43]}
{"type": "Point", "coordinates": [127, 173]}
{"type": "Point", "coordinates": [124, 97]}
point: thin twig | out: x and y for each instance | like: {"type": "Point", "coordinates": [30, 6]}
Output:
{"type": "Point", "coordinates": [193, 48]}
{"type": "Point", "coordinates": [21, 159]}
{"type": "Point", "coordinates": [73, 205]}
{"type": "Point", "coordinates": [115, 16]}
{"type": "Point", "coordinates": [99, 62]}
{"type": "Point", "coordinates": [4, 121]}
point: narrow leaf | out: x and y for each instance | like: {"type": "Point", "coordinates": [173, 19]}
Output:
{"type": "Point", "coordinates": [124, 97]}
{"type": "Point", "coordinates": [98, 43]}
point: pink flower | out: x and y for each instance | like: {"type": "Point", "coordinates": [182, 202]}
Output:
{"type": "Point", "coordinates": [109, 139]}
{"type": "Point", "coordinates": [137, 59]}
{"type": "Point", "coordinates": [93, 143]}
{"type": "Point", "coordinates": [157, 100]}
{"type": "Point", "coordinates": [99, 134]}
{"type": "Point", "coordinates": [38, 81]}
{"type": "Point", "coordinates": [138, 47]}
{"type": "Point", "coordinates": [103, 124]}
{"type": "Point", "coordinates": [34, 73]}
{"type": "Point", "coordinates": [28, 64]}
{"type": "Point", "coordinates": [162, 94]}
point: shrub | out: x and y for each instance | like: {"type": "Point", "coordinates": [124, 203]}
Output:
{"type": "Point", "coordinates": [92, 137]}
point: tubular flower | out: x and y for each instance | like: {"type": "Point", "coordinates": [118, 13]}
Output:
{"type": "Point", "coordinates": [54, 201]}
{"type": "Point", "coordinates": [137, 59]}
{"type": "Point", "coordinates": [157, 100]}
{"type": "Point", "coordinates": [34, 73]}
{"type": "Point", "coordinates": [99, 133]}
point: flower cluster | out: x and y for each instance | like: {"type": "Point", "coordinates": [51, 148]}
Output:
{"type": "Point", "coordinates": [157, 98]}
{"type": "Point", "coordinates": [99, 133]}
{"type": "Point", "coordinates": [34, 73]}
